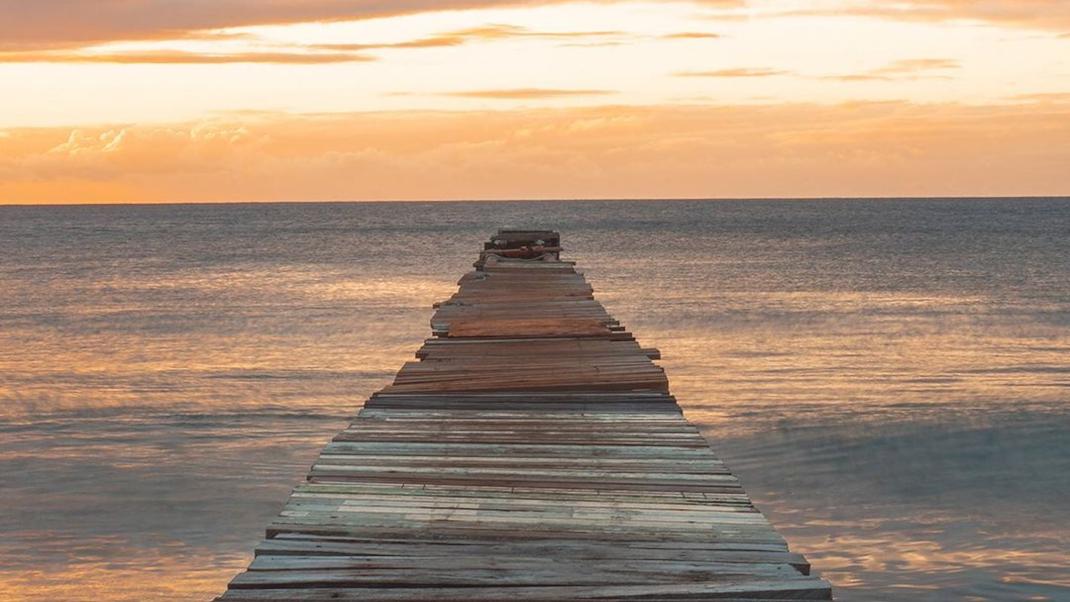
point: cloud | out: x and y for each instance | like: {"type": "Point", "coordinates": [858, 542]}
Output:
{"type": "Point", "coordinates": [72, 23]}
{"type": "Point", "coordinates": [53, 24]}
{"type": "Point", "coordinates": [1038, 14]}
{"type": "Point", "coordinates": [691, 35]}
{"type": "Point", "coordinates": [300, 54]}
{"type": "Point", "coordinates": [487, 33]}
{"type": "Point", "coordinates": [856, 77]}
{"type": "Point", "coordinates": [528, 93]}
{"type": "Point", "coordinates": [856, 149]}
{"type": "Point", "coordinates": [495, 32]}
{"type": "Point", "coordinates": [188, 58]}
{"type": "Point", "coordinates": [736, 72]}
{"type": "Point", "coordinates": [901, 69]}
{"type": "Point", "coordinates": [910, 66]}
{"type": "Point", "coordinates": [1045, 97]}
{"type": "Point", "coordinates": [1027, 13]}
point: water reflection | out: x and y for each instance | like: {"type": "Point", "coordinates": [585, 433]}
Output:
{"type": "Point", "coordinates": [888, 379]}
{"type": "Point", "coordinates": [955, 509]}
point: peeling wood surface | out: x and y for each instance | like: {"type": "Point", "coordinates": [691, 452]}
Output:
{"type": "Point", "coordinates": [533, 453]}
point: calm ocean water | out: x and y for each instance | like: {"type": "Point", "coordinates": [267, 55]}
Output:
{"type": "Point", "coordinates": [890, 379]}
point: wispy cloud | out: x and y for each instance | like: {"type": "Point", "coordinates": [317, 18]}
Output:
{"type": "Point", "coordinates": [493, 32]}
{"type": "Point", "coordinates": [175, 57]}
{"type": "Point", "coordinates": [915, 65]}
{"type": "Point", "coordinates": [1044, 97]}
{"type": "Point", "coordinates": [856, 149]}
{"type": "Point", "coordinates": [486, 33]}
{"type": "Point", "coordinates": [528, 93]}
{"type": "Point", "coordinates": [902, 69]}
{"type": "Point", "coordinates": [691, 35]}
{"type": "Point", "coordinates": [735, 72]}
{"type": "Point", "coordinates": [53, 24]}
{"type": "Point", "coordinates": [264, 51]}
{"type": "Point", "coordinates": [1037, 14]}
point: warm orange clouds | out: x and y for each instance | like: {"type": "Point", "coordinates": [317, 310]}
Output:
{"type": "Point", "coordinates": [365, 99]}
{"type": "Point", "coordinates": [49, 24]}
{"type": "Point", "coordinates": [1046, 14]}
{"type": "Point", "coordinates": [177, 57]}
{"type": "Point", "coordinates": [44, 24]}
{"type": "Point", "coordinates": [262, 51]}
{"type": "Point", "coordinates": [528, 93]}
{"type": "Point", "coordinates": [903, 69]}
{"type": "Point", "coordinates": [66, 23]}
{"type": "Point", "coordinates": [484, 33]}
{"type": "Point", "coordinates": [880, 149]}
{"type": "Point", "coordinates": [911, 66]}
{"type": "Point", "coordinates": [691, 35]}
{"type": "Point", "coordinates": [735, 72]}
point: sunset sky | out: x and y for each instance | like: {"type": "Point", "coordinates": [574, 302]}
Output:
{"type": "Point", "coordinates": [221, 100]}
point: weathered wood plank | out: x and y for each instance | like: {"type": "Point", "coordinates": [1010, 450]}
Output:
{"type": "Point", "coordinates": [533, 453]}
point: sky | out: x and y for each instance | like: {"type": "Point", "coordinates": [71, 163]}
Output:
{"type": "Point", "coordinates": [286, 100]}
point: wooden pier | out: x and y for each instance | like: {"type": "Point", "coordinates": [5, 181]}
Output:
{"type": "Point", "coordinates": [533, 453]}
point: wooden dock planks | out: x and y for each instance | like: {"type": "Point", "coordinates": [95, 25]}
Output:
{"type": "Point", "coordinates": [533, 453]}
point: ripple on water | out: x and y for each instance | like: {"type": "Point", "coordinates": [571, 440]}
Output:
{"type": "Point", "coordinates": [889, 378]}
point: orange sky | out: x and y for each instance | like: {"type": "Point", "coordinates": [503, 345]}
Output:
{"type": "Point", "coordinates": [140, 101]}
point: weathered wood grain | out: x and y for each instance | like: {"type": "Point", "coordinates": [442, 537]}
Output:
{"type": "Point", "coordinates": [532, 453]}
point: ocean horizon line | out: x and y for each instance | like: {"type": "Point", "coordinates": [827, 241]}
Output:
{"type": "Point", "coordinates": [1057, 197]}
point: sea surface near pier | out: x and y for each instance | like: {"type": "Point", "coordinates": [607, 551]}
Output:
{"type": "Point", "coordinates": [889, 378]}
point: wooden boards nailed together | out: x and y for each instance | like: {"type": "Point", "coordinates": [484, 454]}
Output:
{"type": "Point", "coordinates": [532, 453]}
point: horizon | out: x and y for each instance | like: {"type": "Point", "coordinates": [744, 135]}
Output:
{"type": "Point", "coordinates": [547, 200]}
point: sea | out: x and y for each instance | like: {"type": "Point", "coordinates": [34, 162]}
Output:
{"type": "Point", "coordinates": [889, 378]}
